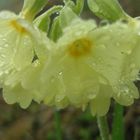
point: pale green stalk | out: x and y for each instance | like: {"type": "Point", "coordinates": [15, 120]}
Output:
{"type": "Point", "coordinates": [58, 129]}
{"type": "Point", "coordinates": [118, 123]}
{"type": "Point", "coordinates": [103, 127]}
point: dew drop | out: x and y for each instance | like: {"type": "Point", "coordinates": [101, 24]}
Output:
{"type": "Point", "coordinates": [3, 56]}
{"type": "Point", "coordinates": [137, 18]}
{"type": "Point", "coordinates": [117, 44]}
{"type": "Point", "coordinates": [4, 39]}
{"type": "Point", "coordinates": [129, 51]}
{"type": "Point", "coordinates": [103, 23]}
{"type": "Point", "coordinates": [57, 13]}
{"type": "Point", "coordinates": [59, 98]}
{"type": "Point", "coordinates": [60, 73]}
{"type": "Point", "coordinates": [138, 33]}
{"type": "Point", "coordinates": [78, 33]}
{"type": "Point", "coordinates": [1, 73]}
{"type": "Point", "coordinates": [103, 46]}
{"type": "Point", "coordinates": [132, 66]}
{"type": "Point", "coordinates": [6, 72]}
{"type": "Point", "coordinates": [124, 21]}
{"type": "Point", "coordinates": [91, 95]}
{"type": "Point", "coordinates": [6, 45]}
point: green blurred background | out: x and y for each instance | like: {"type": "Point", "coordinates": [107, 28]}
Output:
{"type": "Point", "coordinates": [40, 122]}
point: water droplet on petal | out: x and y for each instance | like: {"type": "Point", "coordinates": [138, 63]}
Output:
{"type": "Point", "coordinates": [57, 13]}
{"type": "Point", "coordinates": [124, 21]}
{"type": "Point", "coordinates": [91, 96]}
{"type": "Point", "coordinates": [138, 33]}
{"type": "Point", "coordinates": [137, 18]}
{"type": "Point", "coordinates": [129, 51]}
{"type": "Point", "coordinates": [59, 98]}
{"type": "Point", "coordinates": [60, 73]}
{"type": "Point", "coordinates": [103, 23]}
{"type": "Point", "coordinates": [132, 66]}
{"type": "Point", "coordinates": [103, 46]}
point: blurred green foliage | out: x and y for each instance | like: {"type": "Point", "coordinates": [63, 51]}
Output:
{"type": "Point", "coordinates": [131, 6]}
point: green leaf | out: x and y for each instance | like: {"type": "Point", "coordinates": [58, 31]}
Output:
{"type": "Point", "coordinates": [32, 7]}
{"type": "Point", "coordinates": [107, 9]}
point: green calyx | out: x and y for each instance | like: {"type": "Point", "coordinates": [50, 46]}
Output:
{"type": "Point", "coordinates": [107, 9]}
{"type": "Point", "coordinates": [32, 7]}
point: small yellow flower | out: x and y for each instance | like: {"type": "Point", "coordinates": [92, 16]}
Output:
{"type": "Point", "coordinates": [16, 43]}
{"type": "Point", "coordinates": [87, 64]}
{"type": "Point", "coordinates": [21, 57]}
{"type": "Point", "coordinates": [23, 86]}
{"type": "Point", "coordinates": [114, 45]}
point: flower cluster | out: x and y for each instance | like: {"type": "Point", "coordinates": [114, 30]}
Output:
{"type": "Point", "coordinates": [79, 63]}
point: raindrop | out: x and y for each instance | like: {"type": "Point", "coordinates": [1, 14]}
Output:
{"type": "Point", "coordinates": [138, 33]}
{"type": "Point", "coordinates": [78, 33]}
{"type": "Point", "coordinates": [57, 13]}
{"type": "Point", "coordinates": [3, 56]}
{"type": "Point", "coordinates": [3, 39]}
{"type": "Point", "coordinates": [1, 73]}
{"type": "Point", "coordinates": [60, 73]}
{"type": "Point", "coordinates": [59, 98]}
{"type": "Point", "coordinates": [91, 95]}
{"type": "Point", "coordinates": [103, 23]}
{"type": "Point", "coordinates": [6, 72]}
{"type": "Point", "coordinates": [103, 46]}
{"type": "Point", "coordinates": [132, 66]}
{"type": "Point", "coordinates": [6, 45]}
{"type": "Point", "coordinates": [124, 21]}
{"type": "Point", "coordinates": [117, 44]}
{"type": "Point", "coordinates": [129, 52]}
{"type": "Point", "coordinates": [137, 18]}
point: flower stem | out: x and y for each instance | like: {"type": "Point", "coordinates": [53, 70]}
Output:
{"type": "Point", "coordinates": [58, 129]}
{"type": "Point", "coordinates": [118, 124]}
{"type": "Point", "coordinates": [103, 127]}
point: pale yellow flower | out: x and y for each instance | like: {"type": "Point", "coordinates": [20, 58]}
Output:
{"type": "Point", "coordinates": [16, 43]}
{"type": "Point", "coordinates": [86, 67]}
{"type": "Point", "coordinates": [20, 45]}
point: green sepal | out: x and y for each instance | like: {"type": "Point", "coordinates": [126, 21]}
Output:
{"type": "Point", "coordinates": [56, 30]}
{"type": "Point", "coordinates": [66, 16]}
{"type": "Point", "coordinates": [76, 7]}
{"type": "Point", "coordinates": [43, 21]}
{"type": "Point", "coordinates": [32, 7]}
{"type": "Point", "coordinates": [79, 6]}
{"type": "Point", "coordinates": [107, 9]}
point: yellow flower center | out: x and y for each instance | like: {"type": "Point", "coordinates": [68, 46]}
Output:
{"type": "Point", "coordinates": [80, 47]}
{"type": "Point", "coordinates": [18, 27]}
